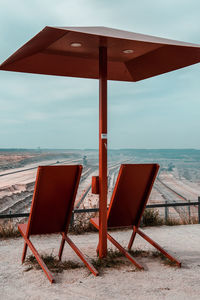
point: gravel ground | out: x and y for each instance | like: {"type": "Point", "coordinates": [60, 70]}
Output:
{"type": "Point", "coordinates": [158, 281]}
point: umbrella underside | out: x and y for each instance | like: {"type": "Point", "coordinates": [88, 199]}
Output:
{"type": "Point", "coordinates": [51, 52]}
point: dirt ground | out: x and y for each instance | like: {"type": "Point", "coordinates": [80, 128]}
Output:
{"type": "Point", "coordinates": [157, 281]}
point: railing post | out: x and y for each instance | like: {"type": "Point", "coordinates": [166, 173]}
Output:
{"type": "Point", "coordinates": [166, 212]}
{"type": "Point", "coordinates": [189, 214]}
{"type": "Point", "coordinates": [199, 209]}
{"type": "Point", "coordinates": [72, 219]}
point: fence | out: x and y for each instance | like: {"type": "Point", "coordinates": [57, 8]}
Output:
{"type": "Point", "coordinates": [90, 210]}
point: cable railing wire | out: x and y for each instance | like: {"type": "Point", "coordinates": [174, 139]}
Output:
{"type": "Point", "coordinates": [91, 210]}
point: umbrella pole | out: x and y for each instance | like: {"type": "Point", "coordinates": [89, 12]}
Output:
{"type": "Point", "coordinates": [102, 152]}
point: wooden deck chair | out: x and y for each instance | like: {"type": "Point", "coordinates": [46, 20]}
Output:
{"type": "Point", "coordinates": [128, 201]}
{"type": "Point", "coordinates": [51, 210]}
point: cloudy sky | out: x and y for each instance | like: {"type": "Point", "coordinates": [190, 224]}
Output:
{"type": "Point", "coordinates": [55, 112]}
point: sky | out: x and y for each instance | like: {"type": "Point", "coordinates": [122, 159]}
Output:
{"type": "Point", "coordinates": [62, 112]}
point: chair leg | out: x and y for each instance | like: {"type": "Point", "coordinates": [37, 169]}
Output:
{"type": "Point", "coordinates": [132, 238]}
{"type": "Point", "coordinates": [118, 246]}
{"type": "Point", "coordinates": [24, 252]}
{"type": "Point", "coordinates": [97, 250]}
{"type": "Point", "coordinates": [157, 246]}
{"type": "Point", "coordinates": [37, 256]}
{"type": "Point", "coordinates": [81, 255]}
{"type": "Point", "coordinates": [61, 248]}
{"type": "Point", "coordinates": [122, 250]}
{"type": "Point", "coordinates": [40, 261]}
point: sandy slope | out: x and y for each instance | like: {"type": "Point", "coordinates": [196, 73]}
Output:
{"type": "Point", "coordinates": [158, 281]}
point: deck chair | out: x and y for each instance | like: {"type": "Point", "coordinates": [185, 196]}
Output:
{"type": "Point", "coordinates": [51, 210]}
{"type": "Point", "coordinates": [128, 201]}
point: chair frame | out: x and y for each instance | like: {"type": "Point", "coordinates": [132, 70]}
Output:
{"type": "Point", "coordinates": [136, 230]}
{"type": "Point", "coordinates": [25, 230]}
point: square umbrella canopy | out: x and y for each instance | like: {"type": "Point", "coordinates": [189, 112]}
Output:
{"type": "Point", "coordinates": [105, 54]}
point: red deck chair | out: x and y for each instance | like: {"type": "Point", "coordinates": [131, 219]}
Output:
{"type": "Point", "coordinates": [51, 209]}
{"type": "Point", "coordinates": [129, 198]}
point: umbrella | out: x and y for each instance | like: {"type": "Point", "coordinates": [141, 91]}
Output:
{"type": "Point", "coordinates": [105, 54]}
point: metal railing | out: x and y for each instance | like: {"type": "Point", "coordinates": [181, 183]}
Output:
{"type": "Point", "coordinates": [90, 210]}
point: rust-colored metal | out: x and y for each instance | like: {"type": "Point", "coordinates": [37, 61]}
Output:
{"type": "Point", "coordinates": [95, 185]}
{"type": "Point", "coordinates": [132, 238]}
{"type": "Point", "coordinates": [24, 252]}
{"type": "Point", "coordinates": [132, 189]}
{"type": "Point", "coordinates": [51, 52]}
{"type": "Point", "coordinates": [102, 152]}
{"type": "Point", "coordinates": [51, 208]}
{"type": "Point", "coordinates": [158, 247]}
{"type": "Point", "coordinates": [53, 198]}
{"type": "Point", "coordinates": [95, 223]}
{"type": "Point", "coordinates": [35, 253]}
{"type": "Point", "coordinates": [131, 193]}
{"type": "Point", "coordinates": [80, 254]}
{"type": "Point", "coordinates": [123, 251]}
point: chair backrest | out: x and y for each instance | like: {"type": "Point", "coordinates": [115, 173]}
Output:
{"type": "Point", "coordinates": [130, 195]}
{"type": "Point", "coordinates": [53, 198]}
